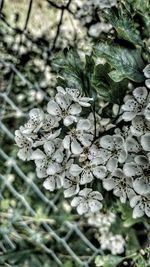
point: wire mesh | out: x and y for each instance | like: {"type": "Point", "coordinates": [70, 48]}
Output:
{"type": "Point", "coordinates": [33, 221]}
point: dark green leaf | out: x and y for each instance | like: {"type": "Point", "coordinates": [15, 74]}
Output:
{"type": "Point", "coordinates": [70, 67]}
{"type": "Point", "coordinates": [106, 87]}
{"type": "Point", "coordinates": [124, 25]}
{"type": "Point", "coordinates": [127, 63]}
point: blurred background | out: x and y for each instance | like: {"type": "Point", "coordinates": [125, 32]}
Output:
{"type": "Point", "coordinates": [38, 228]}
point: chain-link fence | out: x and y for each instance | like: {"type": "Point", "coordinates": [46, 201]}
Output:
{"type": "Point", "coordinates": [38, 228]}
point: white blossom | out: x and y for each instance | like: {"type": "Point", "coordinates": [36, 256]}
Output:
{"type": "Point", "coordinates": [53, 182]}
{"type": "Point", "coordinates": [88, 171]}
{"type": "Point", "coordinates": [87, 201]}
{"type": "Point", "coordinates": [111, 242]}
{"type": "Point", "coordinates": [139, 105]}
{"type": "Point", "coordinates": [140, 171]}
{"type": "Point", "coordinates": [140, 205]}
{"type": "Point", "coordinates": [50, 122]}
{"type": "Point", "coordinates": [35, 122]}
{"type": "Point", "coordinates": [139, 126]}
{"type": "Point", "coordinates": [101, 220]}
{"type": "Point", "coordinates": [76, 96]}
{"type": "Point", "coordinates": [121, 185]}
{"type": "Point", "coordinates": [25, 144]}
{"type": "Point", "coordinates": [71, 185]}
{"type": "Point", "coordinates": [49, 161]}
{"type": "Point", "coordinates": [63, 108]}
{"type": "Point", "coordinates": [113, 150]}
{"type": "Point", "coordinates": [117, 244]}
{"type": "Point", "coordinates": [79, 137]}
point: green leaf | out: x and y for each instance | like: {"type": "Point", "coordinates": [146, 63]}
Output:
{"type": "Point", "coordinates": [126, 215]}
{"type": "Point", "coordinates": [68, 264]}
{"type": "Point", "coordinates": [106, 87]}
{"type": "Point", "coordinates": [127, 63]}
{"type": "Point", "coordinates": [124, 25]}
{"type": "Point", "coordinates": [132, 243]}
{"type": "Point", "coordinates": [108, 261]}
{"type": "Point", "coordinates": [69, 66]}
{"type": "Point", "coordinates": [141, 262]}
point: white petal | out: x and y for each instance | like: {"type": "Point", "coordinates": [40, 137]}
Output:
{"type": "Point", "coordinates": [95, 205]}
{"type": "Point", "coordinates": [53, 168]}
{"type": "Point", "coordinates": [137, 211]}
{"type": "Point", "coordinates": [99, 172]}
{"type": "Point", "coordinates": [25, 153]}
{"type": "Point", "coordinates": [131, 169]}
{"type": "Point", "coordinates": [76, 147]}
{"type": "Point", "coordinates": [131, 106]}
{"type": "Point", "coordinates": [137, 126]}
{"type": "Point", "coordinates": [75, 170]}
{"type": "Point", "coordinates": [141, 187]}
{"type": "Point", "coordinates": [74, 93]}
{"type": "Point", "coordinates": [86, 177]}
{"type": "Point", "coordinates": [132, 145]}
{"type": "Point", "coordinates": [69, 120]}
{"type": "Point", "coordinates": [141, 160]}
{"type": "Point", "coordinates": [76, 201]}
{"type": "Point", "coordinates": [85, 192]}
{"type": "Point", "coordinates": [112, 164]}
{"type": "Point", "coordinates": [147, 209]}
{"type": "Point", "coordinates": [109, 184]}
{"type": "Point", "coordinates": [147, 83]}
{"type": "Point", "coordinates": [145, 142]}
{"type": "Point", "coordinates": [147, 71]}
{"type": "Point", "coordinates": [84, 104]}
{"type": "Point", "coordinates": [82, 207]}
{"type": "Point", "coordinates": [107, 142]}
{"type": "Point", "coordinates": [147, 112]}
{"type": "Point", "coordinates": [85, 139]}
{"type": "Point", "coordinates": [49, 183]}
{"type": "Point", "coordinates": [63, 100]}
{"type": "Point", "coordinates": [118, 173]}
{"type": "Point", "coordinates": [95, 195]}
{"type": "Point", "coordinates": [140, 94]}
{"type": "Point", "coordinates": [49, 148]}
{"type": "Point", "coordinates": [118, 141]}
{"type": "Point", "coordinates": [83, 125]}
{"type": "Point", "coordinates": [37, 154]}
{"type": "Point", "coordinates": [122, 156]}
{"type": "Point", "coordinates": [66, 142]}
{"type": "Point", "coordinates": [60, 90]}
{"type": "Point", "coordinates": [134, 201]}
{"type": "Point", "coordinates": [74, 109]}
{"type": "Point", "coordinates": [53, 108]}
{"type": "Point", "coordinates": [58, 156]}
{"type": "Point", "coordinates": [128, 116]}
{"type": "Point", "coordinates": [41, 172]}
{"type": "Point", "coordinates": [71, 191]}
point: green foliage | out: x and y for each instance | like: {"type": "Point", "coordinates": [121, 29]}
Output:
{"type": "Point", "coordinates": [124, 25]}
{"type": "Point", "coordinates": [106, 87]}
{"type": "Point", "coordinates": [124, 62]}
{"type": "Point", "coordinates": [108, 261]}
{"type": "Point", "coordinates": [68, 65]}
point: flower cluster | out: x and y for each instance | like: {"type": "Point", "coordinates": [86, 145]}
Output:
{"type": "Point", "coordinates": [57, 141]}
{"type": "Point", "coordinates": [71, 149]}
{"type": "Point", "coordinates": [108, 241]}
{"type": "Point", "coordinates": [136, 111]}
